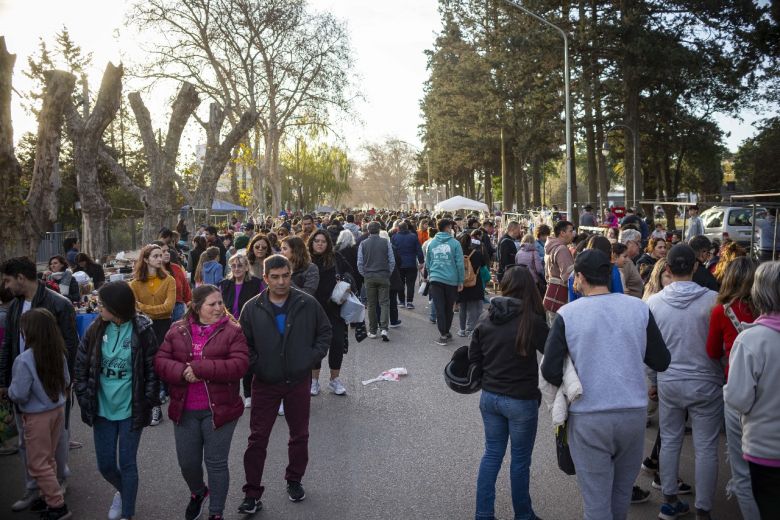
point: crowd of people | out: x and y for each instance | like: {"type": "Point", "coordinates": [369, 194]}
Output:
{"type": "Point", "coordinates": [629, 323]}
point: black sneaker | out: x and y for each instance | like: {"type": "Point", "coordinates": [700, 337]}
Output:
{"type": "Point", "coordinates": [449, 335]}
{"type": "Point", "coordinates": [650, 465]}
{"type": "Point", "coordinates": [60, 513]}
{"type": "Point", "coordinates": [442, 340]}
{"type": "Point", "coordinates": [682, 487]}
{"type": "Point", "coordinates": [250, 506]}
{"type": "Point", "coordinates": [295, 490]}
{"type": "Point", "coordinates": [38, 505]}
{"type": "Point", "coordinates": [195, 507]}
{"type": "Point", "coordinates": [639, 495]}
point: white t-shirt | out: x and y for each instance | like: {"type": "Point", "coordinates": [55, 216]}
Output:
{"type": "Point", "coordinates": [26, 306]}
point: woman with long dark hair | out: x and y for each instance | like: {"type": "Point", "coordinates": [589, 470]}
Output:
{"type": "Point", "coordinates": [199, 246]}
{"type": "Point", "coordinates": [94, 270]}
{"type": "Point", "coordinates": [38, 388]}
{"type": "Point", "coordinates": [257, 251]}
{"type": "Point", "coordinates": [117, 403]}
{"type": "Point", "coordinates": [203, 358]}
{"type": "Point", "coordinates": [504, 344]}
{"type": "Point", "coordinates": [332, 267]}
{"type": "Point", "coordinates": [305, 275]}
{"type": "Point", "coordinates": [155, 295]}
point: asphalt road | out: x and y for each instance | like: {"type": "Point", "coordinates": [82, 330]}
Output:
{"type": "Point", "coordinates": [407, 449]}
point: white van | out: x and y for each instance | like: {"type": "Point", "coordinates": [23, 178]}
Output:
{"type": "Point", "coordinates": [736, 223]}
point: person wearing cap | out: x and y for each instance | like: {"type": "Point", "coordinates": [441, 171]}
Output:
{"type": "Point", "coordinates": [692, 383]}
{"type": "Point", "coordinates": [695, 225]}
{"type": "Point", "coordinates": [606, 426]}
{"type": "Point", "coordinates": [588, 218]}
{"type": "Point", "coordinates": [632, 281]}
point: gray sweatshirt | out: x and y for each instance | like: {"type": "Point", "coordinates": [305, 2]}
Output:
{"type": "Point", "coordinates": [754, 370]}
{"type": "Point", "coordinates": [26, 389]}
{"type": "Point", "coordinates": [682, 311]}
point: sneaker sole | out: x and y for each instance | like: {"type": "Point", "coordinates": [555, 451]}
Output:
{"type": "Point", "coordinates": [248, 512]}
{"type": "Point", "coordinates": [642, 501]}
{"type": "Point", "coordinates": [648, 469]}
{"type": "Point", "coordinates": [679, 491]}
{"type": "Point", "coordinates": [296, 499]}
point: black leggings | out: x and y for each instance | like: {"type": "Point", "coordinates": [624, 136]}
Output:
{"type": "Point", "coordinates": [336, 350]}
{"type": "Point", "coordinates": [766, 481]}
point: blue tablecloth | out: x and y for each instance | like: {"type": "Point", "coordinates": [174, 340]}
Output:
{"type": "Point", "coordinates": [83, 321]}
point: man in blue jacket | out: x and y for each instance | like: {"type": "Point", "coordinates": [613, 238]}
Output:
{"type": "Point", "coordinates": [412, 260]}
{"type": "Point", "coordinates": [444, 263]}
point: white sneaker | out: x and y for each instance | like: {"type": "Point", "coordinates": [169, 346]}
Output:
{"type": "Point", "coordinates": [26, 501]}
{"type": "Point", "coordinates": [336, 387]}
{"type": "Point", "coordinates": [315, 387]}
{"type": "Point", "coordinates": [461, 333]}
{"type": "Point", "coordinates": [247, 402]}
{"type": "Point", "coordinates": [385, 337]}
{"type": "Point", "coordinates": [115, 512]}
{"type": "Point", "coordinates": [281, 409]}
{"type": "Point", "coordinates": [372, 335]}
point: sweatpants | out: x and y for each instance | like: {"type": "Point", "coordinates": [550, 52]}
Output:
{"type": "Point", "coordinates": [739, 484]}
{"type": "Point", "coordinates": [265, 405]}
{"type": "Point", "coordinates": [704, 402]}
{"type": "Point", "coordinates": [606, 448]}
{"type": "Point", "coordinates": [196, 441]}
{"type": "Point", "coordinates": [444, 297]}
{"type": "Point", "coordinates": [61, 454]}
{"type": "Point", "coordinates": [41, 436]}
{"type": "Point", "coordinates": [469, 314]}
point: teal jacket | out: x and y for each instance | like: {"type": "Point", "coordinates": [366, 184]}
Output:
{"type": "Point", "coordinates": [444, 260]}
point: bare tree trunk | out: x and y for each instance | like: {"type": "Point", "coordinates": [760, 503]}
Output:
{"type": "Point", "coordinates": [87, 135]}
{"type": "Point", "coordinates": [162, 158]}
{"type": "Point", "coordinates": [218, 154]}
{"type": "Point", "coordinates": [507, 184]}
{"type": "Point", "coordinates": [536, 176]}
{"type": "Point", "coordinates": [22, 224]}
{"type": "Point", "coordinates": [234, 195]}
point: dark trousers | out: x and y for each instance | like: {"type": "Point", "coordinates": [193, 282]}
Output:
{"type": "Point", "coordinates": [247, 382]}
{"type": "Point", "coordinates": [265, 405]}
{"type": "Point", "coordinates": [766, 482]}
{"type": "Point", "coordinates": [444, 297]}
{"type": "Point", "coordinates": [336, 350]}
{"type": "Point", "coordinates": [408, 278]}
{"type": "Point", "coordinates": [160, 328]}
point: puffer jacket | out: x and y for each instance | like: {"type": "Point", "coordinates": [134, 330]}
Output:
{"type": "Point", "coordinates": [146, 386]}
{"type": "Point", "coordinates": [558, 398]}
{"type": "Point", "coordinates": [63, 312]}
{"type": "Point", "coordinates": [224, 361]}
{"type": "Point", "coordinates": [409, 248]}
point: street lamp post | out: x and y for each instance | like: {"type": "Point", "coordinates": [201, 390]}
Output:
{"type": "Point", "coordinates": [605, 153]}
{"type": "Point", "coordinates": [567, 93]}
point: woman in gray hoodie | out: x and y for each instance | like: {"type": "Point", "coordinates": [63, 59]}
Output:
{"type": "Point", "coordinates": [754, 369]}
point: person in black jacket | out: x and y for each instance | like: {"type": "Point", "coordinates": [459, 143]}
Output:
{"type": "Point", "coordinates": [507, 249]}
{"type": "Point", "coordinates": [470, 298]}
{"type": "Point", "coordinates": [116, 387]}
{"type": "Point", "coordinates": [504, 345]}
{"type": "Point", "coordinates": [332, 268]}
{"type": "Point", "coordinates": [92, 268]}
{"type": "Point", "coordinates": [248, 287]}
{"type": "Point", "coordinates": [701, 246]}
{"type": "Point", "coordinates": [287, 332]}
{"type": "Point", "coordinates": [20, 278]}
{"type": "Point", "coordinates": [199, 244]}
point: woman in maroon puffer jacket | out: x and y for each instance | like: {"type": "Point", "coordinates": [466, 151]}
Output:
{"type": "Point", "coordinates": [203, 358]}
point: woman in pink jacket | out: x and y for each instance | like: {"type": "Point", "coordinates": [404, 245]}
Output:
{"type": "Point", "coordinates": [203, 358]}
{"type": "Point", "coordinates": [529, 257]}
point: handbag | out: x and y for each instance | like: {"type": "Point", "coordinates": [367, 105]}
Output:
{"type": "Point", "coordinates": [352, 311]}
{"type": "Point", "coordinates": [423, 290]}
{"type": "Point", "coordinates": [340, 292]}
{"type": "Point", "coordinates": [565, 462]}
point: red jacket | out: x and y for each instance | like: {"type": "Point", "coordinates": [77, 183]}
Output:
{"type": "Point", "coordinates": [722, 333]}
{"type": "Point", "coordinates": [183, 290]}
{"type": "Point", "coordinates": [225, 360]}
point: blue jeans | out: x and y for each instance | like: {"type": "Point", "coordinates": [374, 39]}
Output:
{"type": "Point", "coordinates": [108, 436]}
{"type": "Point", "coordinates": [504, 418]}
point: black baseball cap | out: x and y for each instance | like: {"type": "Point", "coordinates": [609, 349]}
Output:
{"type": "Point", "coordinates": [594, 264]}
{"type": "Point", "coordinates": [681, 259]}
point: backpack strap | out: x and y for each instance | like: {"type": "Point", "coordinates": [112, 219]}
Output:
{"type": "Point", "coordinates": [733, 317]}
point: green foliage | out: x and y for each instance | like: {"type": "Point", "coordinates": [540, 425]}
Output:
{"type": "Point", "coordinates": [756, 162]}
{"type": "Point", "coordinates": [314, 173]}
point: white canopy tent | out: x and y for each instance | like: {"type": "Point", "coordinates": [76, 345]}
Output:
{"type": "Point", "coordinates": [458, 202]}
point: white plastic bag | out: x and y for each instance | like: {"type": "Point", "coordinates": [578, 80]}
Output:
{"type": "Point", "coordinates": [340, 292]}
{"type": "Point", "coordinates": [352, 311]}
{"type": "Point", "coordinates": [421, 290]}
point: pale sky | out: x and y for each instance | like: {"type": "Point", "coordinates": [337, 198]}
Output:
{"type": "Point", "coordinates": [388, 39]}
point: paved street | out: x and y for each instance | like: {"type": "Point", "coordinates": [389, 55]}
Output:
{"type": "Point", "coordinates": [409, 449]}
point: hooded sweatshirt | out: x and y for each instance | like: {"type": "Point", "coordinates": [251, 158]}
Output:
{"type": "Point", "coordinates": [528, 257]}
{"type": "Point", "coordinates": [682, 311]}
{"type": "Point", "coordinates": [26, 389]}
{"type": "Point", "coordinates": [504, 370]}
{"type": "Point", "coordinates": [444, 260]}
{"type": "Point", "coordinates": [558, 262]}
{"type": "Point", "coordinates": [212, 272]}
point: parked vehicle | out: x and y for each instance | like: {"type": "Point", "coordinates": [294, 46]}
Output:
{"type": "Point", "coordinates": [732, 222]}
